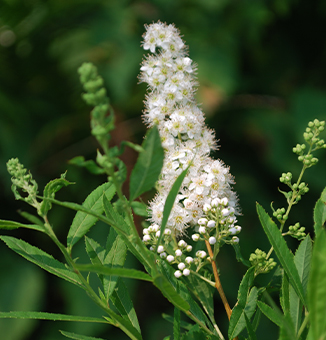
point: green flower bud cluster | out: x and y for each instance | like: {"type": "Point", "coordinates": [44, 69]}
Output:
{"type": "Point", "coordinates": [261, 263]}
{"type": "Point", "coordinates": [296, 231]}
{"type": "Point", "coordinates": [311, 137]}
{"type": "Point", "coordinates": [22, 180]}
{"type": "Point", "coordinates": [280, 214]}
{"type": "Point", "coordinates": [101, 124]}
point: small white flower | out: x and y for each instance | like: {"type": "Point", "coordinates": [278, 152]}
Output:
{"type": "Point", "coordinates": [225, 212]}
{"type": "Point", "coordinates": [158, 233]}
{"type": "Point", "coordinates": [186, 272]}
{"type": "Point", "coordinates": [156, 227]}
{"type": "Point", "coordinates": [167, 231]}
{"type": "Point", "coordinates": [233, 231]}
{"type": "Point", "coordinates": [224, 201]}
{"type": "Point", "coordinates": [201, 254]}
{"type": "Point", "coordinates": [202, 230]}
{"type": "Point", "coordinates": [189, 248]}
{"type": "Point", "coordinates": [181, 266]}
{"type": "Point", "coordinates": [212, 240]}
{"type": "Point", "coordinates": [177, 274]}
{"type": "Point", "coordinates": [160, 249]}
{"type": "Point", "coordinates": [215, 202]}
{"type": "Point", "coordinates": [163, 255]}
{"type": "Point", "coordinates": [170, 258]}
{"type": "Point", "coordinates": [211, 224]}
{"type": "Point", "coordinates": [189, 259]}
{"type": "Point", "coordinates": [195, 237]}
{"type": "Point", "coordinates": [145, 231]}
{"type": "Point", "coordinates": [178, 252]}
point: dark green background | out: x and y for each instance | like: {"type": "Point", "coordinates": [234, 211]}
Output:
{"type": "Point", "coordinates": [262, 75]}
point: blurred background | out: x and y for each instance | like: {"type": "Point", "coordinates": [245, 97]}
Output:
{"type": "Point", "coordinates": [262, 74]}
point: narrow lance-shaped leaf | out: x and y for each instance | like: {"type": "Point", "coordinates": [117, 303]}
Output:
{"type": "Point", "coordinates": [320, 212]}
{"type": "Point", "coordinates": [41, 258]}
{"type": "Point", "coordinates": [82, 221]}
{"type": "Point", "coordinates": [170, 202]}
{"type": "Point", "coordinates": [9, 225]}
{"type": "Point", "coordinates": [123, 272]}
{"type": "Point", "coordinates": [317, 288]}
{"type": "Point", "coordinates": [282, 251]}
{"type": "Point", "coordinates": [78, 336]}
{"type": "Point", "coordinates": [148, 166]}
{"type": "Point", "coordinates": [49, 316]}
{"type": "Point", "coordinates": [302, 262]}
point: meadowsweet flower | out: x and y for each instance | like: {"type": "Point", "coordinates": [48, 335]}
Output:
{"type": "Point", "coordinates": [170, 105]}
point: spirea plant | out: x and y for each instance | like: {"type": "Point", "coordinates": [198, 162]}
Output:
{"type": "Point", "coordinates": [193, 214]}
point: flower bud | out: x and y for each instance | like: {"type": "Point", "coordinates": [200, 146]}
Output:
{"type": "Point", "coordinates": [146, 238]}
{"type": "Point", "coordinates": [160, 249]}
{"type": "Point", "coordinates": [195, 237]}
{"type": "Point", "coordinates": [189, 248]}
{"type": "Point", "coordinates": [189, 259]}
{"type": "Point", "coordinates": [211, 224]}
{"type": "Point", "coordinates": [202, 221]}
{"type": "Point", "coordinates": [182, 244]}
{"type": "Point", "coordinates": [202, 230]}
{"type": "Point", "coordinates": [212, 240]}
{"type": "Point", "coordinates": [177, 274]}
{"type": "Point", "coordinates": [178, 252]}
{"type": "Point", "coordinates": [170, 258]}
{"type": "Point", "coordinates": [186, 272]}
{"type": "Point", "coordinates": [181, 266]}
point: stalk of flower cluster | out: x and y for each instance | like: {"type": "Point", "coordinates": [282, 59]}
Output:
{"type": "Point", "coordinates": [206, 200]}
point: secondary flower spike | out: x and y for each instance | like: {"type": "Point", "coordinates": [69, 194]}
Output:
{"type": "Point", "coordinates": [171, 105]}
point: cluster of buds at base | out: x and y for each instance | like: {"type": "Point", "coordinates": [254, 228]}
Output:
{"type": "Point", "coordinates": [218, 223]}
{"type": "Point", "coordinates": [261, 263]}
{"type": "Point", "coordinates": [296, 231]}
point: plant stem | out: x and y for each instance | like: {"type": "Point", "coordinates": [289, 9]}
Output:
{"type": "Point", "coordinates": [218, 284]}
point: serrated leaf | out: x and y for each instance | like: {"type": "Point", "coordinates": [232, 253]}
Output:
{"type": "Point", "coordinates": [250, 329]}
{"type": "Point", "coordinates": [237, 321]}
{"type": "Point", "coordinates": [78, 336]}
{"type": "Point", "coordinates": [282, 251]}
{"type": "Point", "coordinates": [176, 324]}
{"type": "Point", "coordinates": [148, 166]}
{"type": "Point", "coordinates": [10, 225]}
{"type": "Point", "coordinates": [320, 212]}
{"type": "Point", "coordinates": [90, 165]}
{"type": "Point", "coordinates": [317, 288]}
{"type": "Point", "coordinates": [183, 324]}
{"type": "Point", "coordinates": [31, 218]}
{"type": "Point", "coordinates": [302, 261]}
{"type": "Point", "coordinates": [285, 295]}
{"type": "Point", "coordinates": [195, 333]}
{"type": "Point", "coordinates": [41, 258]}
{"type": "Point", "coordinates": [50, 190]}
{"type": "Point", "coordinates": [82, 221]}
{"type": "Point", "coordinates": [273, 315]}
{"type": "Point", "coordinates": [49, 316]}
{"type": "Point", "coordinates": [123, 272]}
{"type": "Point", "coordinates": [287, 330]}
{"type": "Point", "coordinates": [122, 301]}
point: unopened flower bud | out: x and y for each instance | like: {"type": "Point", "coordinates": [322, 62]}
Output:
{"type": "Point", "coordinates": [207, 207]}
{"type": "Point", "coordinates": [146, 238]}
{"type": "Point", "coordinates": [182, 244]}
{"type": "Point", "coordinates": [170, 258]}
{"type": "Point", "coordinates": [163, 255]}
{"type": "Point", "coordinates": [178, 252]}
{"type": "Point", "coordinates": [224, 201]}
{"type": "Point", "coordinates": [202, 230]}
{"type": "Point", "coordinates": [177, 274]}
{"type": "Point", "coordinates": [195, 237]}
{"type": "Point", "coordinates": [189, 248]}
{"type": "Point", "coordinates": [215, 202]}
{"type": "Point", "coordinates": [167, 231]}
{"type": "Point", "coordinates": [186, 272]}
{"type": "Point", "coordinates": [181, 266]}
{"type": "Point", "coordinates": [158, 233]}
{"type": "Point", "coordinates": [211, 224]}
{"type": "Point", "coordinates": [212, 240]}
{"type": "Point", "coordinates": [189, 259]}
{"type": "Point", "coordinates": [145, 231]}
{"type": "Point", "coordinates": [202, 221]}
{"type": "Point", "coordinates": [160, 249]}
{"type": "Point", "coordinates": [235, 239]}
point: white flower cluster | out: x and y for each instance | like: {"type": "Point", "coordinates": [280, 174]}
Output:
{"type": "Point", "coordinates": [170, 104]}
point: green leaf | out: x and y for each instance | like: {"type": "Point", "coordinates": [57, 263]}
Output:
{"type": "Point", "coordinates": [148, 166]}
{"type": "Point", "coordinates": [195, 333]}
{"type": "Point", "coordinates": [115, 258]}
{"type": "Point", "coordinates": [139, 208]}
{"type": "Point", "coordinates": [302, 260]}
{"type": "Point", "coordinates": [170, 202]}
{"type": "Point", "coordinates": [9, 225]}
{"type": "Point", "coordinates": [183, 324]}
{"type": "Point", "coordinates": [285, 295]}
{"type": "Point", "coordinates": [250, 329]}
{"type": "Point", "coordinates": [90, 165]}
{"type": "Point", "coordinates": [78, 336]}
{"type": "Point", "coordinates": [317, 288]}
{"type": "Point", "coordinates": [49, 316]}
{"type": "Point", "coordinates": [282, 251]}
{"type": "Point", "coordinates": [237, 321]}
{"type": "Point", "coordinates": [176, 324]}
{"type": "Point", "coordinates": [122, 301]}
{"type": "Point", "coordinates": [287, 330]}
{"type": "Point", "coordinates": [32, 218]}
{"type": "Point", "coordinates": [320, 212]}
{"type": "Point", "coordinates": [49, 192]}
{"type": "Point", "coordinates": [82, 221]}
{"type": "Point", "coordinates": [41, 258]}
{"type": "Point", "coordinates": [123, 272]}
{"type": "Point", "coordinates": [273, 315]}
